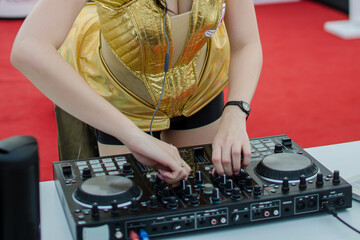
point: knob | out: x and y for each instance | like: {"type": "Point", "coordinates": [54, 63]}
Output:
{"type": "Point", "coordinates": [242, 176]}
{"type": "Point", "coordinates": [182, 185]}
{"type": "Point", "coordinates": [319, 180]}
{"type": "Point", "coordinates": [188, 192]}
{"type": "Point", "coordinates": [86, 173]}
{"type": "Point", "coordinates": [95, 210]}
{"type": "Point", "coordinates": [302, 184]}
{"type": "Point", "coordinates": [222, 180]}
{"type": "Point", "coordinates": [134, 205]}
{"type": "Point", "coordinates": [172, 203]}
{"type": "Point", "coordinates": [194, 199]}
{"type": "Point", "coordinates": [216, 177]}
{"type": "Point", "coordinates": [208, 188]}
{"type": "Point", "coordinates": [248, 183]}
{"type": "Point", "coordinates": [257, 191]}
{"type": "Point", "coordinates": [114, 207]}
{"type": "Point", "coordinates": [160, 187]}
{"type": "Point", "coordinates": [229, 186]}
{"type": "Point", "coordinates": [153, 177]}
{"type": "Point", "coordinates": [236, 193]}
{"type": "Point", "coordinates": [285, 185]}
{"type": "Point", "coordinates": [198, 178]}
{"type": "Point", "coordinates": [236, 218]}
{"type": "Point", "coordinates": [126, 169]}
{"type": "Point", "coordinates": [278, 148]}
{"type": "Point", "coordinates": [336, 177]}
{"type": "Point", "coordinates": [215, 198]}
{"type": "Point", "coordinates": [165, 194]}
{"type": "Point", "coordinates": [153, 202]}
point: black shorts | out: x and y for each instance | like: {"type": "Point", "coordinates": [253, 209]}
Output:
{"type": "Point", "coordinates": [208, 114]}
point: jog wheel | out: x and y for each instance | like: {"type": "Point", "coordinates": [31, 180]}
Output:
{"type": "Point", "coordinates": [105, 189]}
{"type": "Point", "coordinates": [275, 167]}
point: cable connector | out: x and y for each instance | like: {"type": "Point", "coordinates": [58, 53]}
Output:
{"type": "Point", "coordinates": [143, 235]}
{"type": "Point", "coordinates": [329, 207]}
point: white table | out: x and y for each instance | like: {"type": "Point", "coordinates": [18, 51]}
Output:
{"type": "Point", "coordinates": [344, 157]}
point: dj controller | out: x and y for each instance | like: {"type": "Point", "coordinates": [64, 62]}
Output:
{"type": "Point", "coordinates": [107, 197]}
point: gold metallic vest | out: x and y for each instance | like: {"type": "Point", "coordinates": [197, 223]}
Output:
{"type": "Point", "coordinates": [133, 30]}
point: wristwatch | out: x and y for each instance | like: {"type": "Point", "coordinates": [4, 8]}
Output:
{"type": "Point", "coordinates": [244, 106]}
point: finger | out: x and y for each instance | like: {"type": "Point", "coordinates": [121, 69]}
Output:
{"type": "Point", "coordinates": [167, 176]}
{"type": "Point", "coordinates": [226, 160]}
{"type": "Point", "coordinates": [174, 176]}
{"type": "Point", "coordinates": [216, 159]}
{"type": "Point", "coordinates": [246, 154]}
{"type": "Point", "coordinates": [236, 158]}
{"type": "Point", "coordinates": [187, 169]}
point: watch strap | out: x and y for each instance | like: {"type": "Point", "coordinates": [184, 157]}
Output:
{"type": "Point", "coordinates": [240, 105]}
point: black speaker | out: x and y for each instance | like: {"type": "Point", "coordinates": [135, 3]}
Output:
{"type": "Point", "coordinates": [19, 189]}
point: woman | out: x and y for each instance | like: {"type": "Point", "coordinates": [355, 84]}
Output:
{"type": "Point", "coordinates": [113, 74]}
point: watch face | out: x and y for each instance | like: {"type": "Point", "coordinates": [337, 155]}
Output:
{"type": "Point", "coordinates": [246, 106]}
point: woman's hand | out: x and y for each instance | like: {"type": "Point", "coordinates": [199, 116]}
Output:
{"type": "Point", "coordinates": [231, 143]}
{"type": "Point", "coordinates": [160, 155]}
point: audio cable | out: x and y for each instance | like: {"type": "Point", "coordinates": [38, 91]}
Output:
{"type": "Point", "coordinates": [331, 209]}
{"type": "Point", "coordinates": [166, 68]}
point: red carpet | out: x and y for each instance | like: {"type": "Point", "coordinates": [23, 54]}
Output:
{"type": "Point", "coordinates": [309, 86]}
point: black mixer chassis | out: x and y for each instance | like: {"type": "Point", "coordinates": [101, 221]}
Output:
{"type": "Point", "coordinates": [201, 202]}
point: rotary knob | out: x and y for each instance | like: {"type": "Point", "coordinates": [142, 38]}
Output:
{"type": "Point", "coordinates": [126, 169]}
{"type": "Point", "coordinates": [134, 205]}
{"type": "Point", "coordinates": [302, 184]}
{"type": "Point", "coordinates": [336, 177]}
{"type": "Point", "coordinates": [208, 188]}
{"type": "Point", "coordinates": [285, 185]}
{"type": "Point", "coordinates": [236, 194]}
{"type": "Point", "coordinates": [114, 207]}
{"type": "Point", "coordinates": [86, 174]}
{"type": "Point", "coordinates": [229, 186]}
{"type": "Point", "coordinates": [182, 185]}
{"type": "Point", "coordinates": [216, 177]}
{"type": "Point", "coordinates": [215, 198]}
{"type": "Point", "coordinates": [166, 194]}
{"type": "Point", "coordinates": [172, 203]}
{"type": "Point", "coordinates": [198, 178]}
{"type": "Point", "coordinates": [242, 176]}
{"type": "Point", "coordinates": [278, 148]}
{"type": "Point", "coordinates": [194, 199]}
{"type": "Point", "coordinates": [222, 181]}
{"type": "Point", "coordinates": [188, 192]}
{"type": "Point", "coordinates": [248, 184]}
{"type": "Point", "coordinates": [153, 203]}
{"type": "Point", "coordinates": [95, 210]}
{"type": "Point", "coordinates": [319, 180]}
{"type": "Point", "coordinates": [236, 218]}
{"type": "Point", "coordinates": [257, 191]}
{"type": "Point", "coordinates": [160, 188]}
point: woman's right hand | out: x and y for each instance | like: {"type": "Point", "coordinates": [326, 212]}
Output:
{"type": "Point", "coordinates": [160, 155]}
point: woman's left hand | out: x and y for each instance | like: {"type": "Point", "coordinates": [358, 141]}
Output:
{"type": "Point", "coordinates": [231, 145]}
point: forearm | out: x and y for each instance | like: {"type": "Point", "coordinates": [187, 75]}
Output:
{"type": "Point", "coordinates": [54, 77]}
{"type": "Point", "coordinates": [244, 72]}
